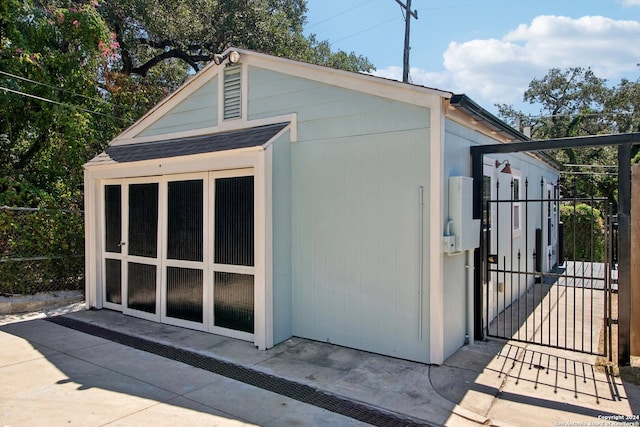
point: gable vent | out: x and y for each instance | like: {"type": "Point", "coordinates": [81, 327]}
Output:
{"type": "Point", "coordinates": [232, 93]}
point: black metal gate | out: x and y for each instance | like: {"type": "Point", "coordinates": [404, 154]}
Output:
{"type": "Point", "coordinates": [549, 267]}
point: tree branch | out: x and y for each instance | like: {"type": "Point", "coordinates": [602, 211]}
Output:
{"type": "Point", "coordinates": [164, 44]}
{"type": "Point", "coordinates": [192, 60]}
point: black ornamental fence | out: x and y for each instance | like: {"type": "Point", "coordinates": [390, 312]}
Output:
{"type": "Point", "coordinates": [550, 268]}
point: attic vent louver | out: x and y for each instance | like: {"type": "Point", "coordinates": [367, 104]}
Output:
{"type": "Point", "coordinates": [232, 93]}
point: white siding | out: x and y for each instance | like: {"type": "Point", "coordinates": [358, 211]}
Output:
{"type": "Point", "coordinates": [198, 111]}
{"type": "Point", "coordinates": [457, 162]}
{"type": "Point", "coordinates": [356, 171]}
{"type": "Point", "coordinates": [281, 245]}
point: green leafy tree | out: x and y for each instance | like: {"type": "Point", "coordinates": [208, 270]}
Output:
{"type": "Point", "coordinates": [73, 74]}
{"type": "Point", "coordinates": [53, 117]}
{"type": "Point", "coordinates": [152, 32]}
{"type": "Point", "coordinates": [575, 102]}
{"type": "Point", "coordinates": [52, 112]}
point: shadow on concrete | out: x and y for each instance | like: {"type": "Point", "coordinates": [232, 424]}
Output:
{"type": "Point", "coordinates": [56, 375]}
{"type": "Point", "coordinates": [563, 308]}
{"type": "Point", "coordinates": [526, 384]}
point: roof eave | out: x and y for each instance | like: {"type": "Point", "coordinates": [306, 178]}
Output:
{"type": "Point", "coordinates": [466, 104]}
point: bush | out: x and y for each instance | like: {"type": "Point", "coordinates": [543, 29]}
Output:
{"type": "Point", "coordinates": [41, 244]}
{"type": "Point", "coordinates": [583, 232]}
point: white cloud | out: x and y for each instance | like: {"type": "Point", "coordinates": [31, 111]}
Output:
{"type": "Point", "coordinates": [630, 3]}
{"type": "Point", "coordinates": [499, 70]}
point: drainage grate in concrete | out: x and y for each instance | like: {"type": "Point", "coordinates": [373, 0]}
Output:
{"type": "Point", "coordinates": [291, 389]}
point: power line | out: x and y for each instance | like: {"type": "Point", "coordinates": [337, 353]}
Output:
{"type": "Point", "coordinates": [338, 14]}
{"type": "Point", "coordinates": [6, 89]}
{"type": "Point", "coordinates": [54, 87]}
{"type": "Point", "coordinates": [364, 31]}
{"type": "Point", "coordinates": [590, 166]}
{"type": "Point", "coordinates": [591, 173]}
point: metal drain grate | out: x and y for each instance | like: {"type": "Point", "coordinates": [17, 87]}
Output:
{"type": "Point", "coordinates": [291, 389]}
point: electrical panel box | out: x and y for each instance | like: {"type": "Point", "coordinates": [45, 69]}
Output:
{"type": "Point", "coordinates": [461, 225]}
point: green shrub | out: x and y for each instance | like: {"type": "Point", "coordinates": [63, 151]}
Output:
{"type": "Point", "coordinates": [583, 232]}
{"type": "Point", "coordinates": [41, 247]}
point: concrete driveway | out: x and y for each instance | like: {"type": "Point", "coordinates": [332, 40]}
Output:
{"type": "Point", "coordinates": [93, 371]}
{"type": "Point", "coordinates": [55, 376]}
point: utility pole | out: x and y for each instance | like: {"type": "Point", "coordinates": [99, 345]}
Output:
{"type": "Point", "coordinates": [407, 31]}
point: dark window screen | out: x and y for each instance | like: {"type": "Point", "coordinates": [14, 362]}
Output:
{"type": "Point", "coordinates": [184, 294]}
{"type": "Point", "coordinates": [184, 233]}
{"type": "Point", "coordinates": [113, 218]}
{"type": "Point", "coordinates": [234, 221]}
{"type": "Point", "coordinates": [113, 281]}
{"type": "Point", "coordinates": [143, 220]}
{"type": "Point", "coordinates": [141, 292]}
{"type": "Point", "coordinates": [233, 296]}
{"type": "Point", "coordinates": [486, 197]}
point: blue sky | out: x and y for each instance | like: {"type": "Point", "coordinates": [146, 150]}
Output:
{"type": "Point", "coordinates": [490, 49]}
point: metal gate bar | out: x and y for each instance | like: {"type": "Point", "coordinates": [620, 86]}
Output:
{"type": "Point", "coordinates": [567, 306]}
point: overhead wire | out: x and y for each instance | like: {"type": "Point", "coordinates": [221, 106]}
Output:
{"type": "Point", "coordinates": [353, 34]}
{"type": "Point", "coordinates": [365, 30]}
{"type": "Point", "coordinates": [338, 14]}
{"type": "Point", "coordinates": [54, 87]}
{"type": "Point", "coordinates": [64, 104]}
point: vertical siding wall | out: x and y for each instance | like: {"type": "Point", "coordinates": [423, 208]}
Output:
{"type": "Point", "coordinates": [458, 139]}
{"type": "Point", "coordinates": [282, 238]}
{"type": "Point", "coordinates": [457, 162]}
{"type": "Point", "coordinates": [356, 170]}
{"type": "Point", "coordinates": [198, 111]}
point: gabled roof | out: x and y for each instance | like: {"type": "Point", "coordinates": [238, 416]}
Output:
{"type": "Point", "coordinates": [365, 83]}
{"type": "Point", "coordinates": [360, 82]}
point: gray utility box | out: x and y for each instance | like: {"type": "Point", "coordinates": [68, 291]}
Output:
{"type": "Point", "coordinates": [462, 231]}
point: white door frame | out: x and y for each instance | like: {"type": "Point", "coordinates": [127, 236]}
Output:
{"type": "Point", "coordinates": [490, 171]}
{"type": "Point", "coordinates": [258, 159]}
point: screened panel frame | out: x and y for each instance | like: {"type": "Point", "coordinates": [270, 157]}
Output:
{"type": "Point", "coordinates": [166, 262]}
{"type": "Point", "coordinates": [111, 239]}
{"type": "Point", "coordinates": [256, 161]}
{"type": "Point", "coordinates": [150, 258]}
{"type": "Point", "coordinates": [172, 263]}
{"type": "Point", "coordinates": [238, 268]}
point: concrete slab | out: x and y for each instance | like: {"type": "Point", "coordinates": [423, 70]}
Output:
{"type": "Point", "coordinates": [528, 384]}
{"type": "Point", "coordinates": [14, 349]}
{"type": "Point", "coordinates": [92, 381]}
{"type": "Point", "coordinates": [265, 408]}
{"type": "Point", "coordinates": [42, 301]}
{"type": "Point", "coordinates": [180, 412]}
{"type": "Point", "coordinates": [47, 334]}
{"type": "Point", "coordinates": [176, 377]}
{"type": "Point", "coordinates": [487, 383]}
{"type": "Point", "coordinates": [67, 390]}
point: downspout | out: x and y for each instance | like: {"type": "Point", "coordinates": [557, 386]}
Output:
{"type": "Point", "coordinates": [470, 267]}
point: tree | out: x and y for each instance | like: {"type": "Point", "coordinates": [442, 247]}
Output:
{"type": "Point", "coordinates": [73, 74]}
{"type": "Point", "coordinates": [575, 102]}
{"type": "Point", "coordinates": [52, 112]}
{"type": "Point", "coordinates": [152, 32]}
{"type": "Point", "coordinates": [76, 73]}
{"type": "Point", "coordinates": [623, 108]}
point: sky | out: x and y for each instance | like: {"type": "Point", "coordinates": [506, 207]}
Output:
{"type": "Point", "coordinates": [489, 50]}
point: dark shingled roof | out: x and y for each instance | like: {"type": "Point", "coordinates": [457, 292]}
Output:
{"type": "Point", "coordinates": [244, 138]}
